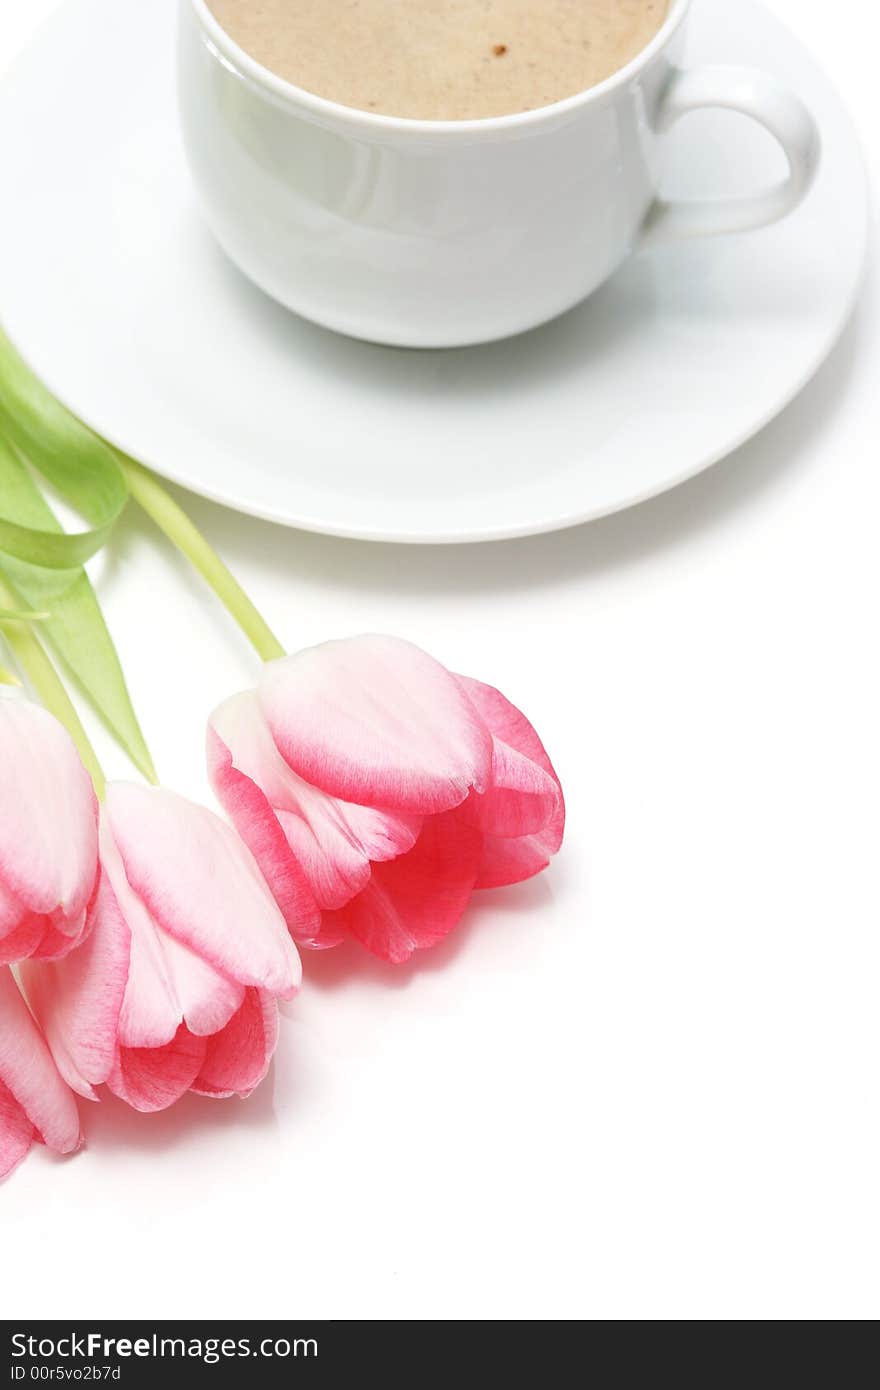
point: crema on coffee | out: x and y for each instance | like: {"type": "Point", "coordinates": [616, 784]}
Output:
{"type": "Point", "coordinates": [442, 60]}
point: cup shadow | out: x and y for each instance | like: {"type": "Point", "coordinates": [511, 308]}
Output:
{"type": "Point", "coordinates": [523, 362]}
{"type": "Point", "coordinates": [706, 502]}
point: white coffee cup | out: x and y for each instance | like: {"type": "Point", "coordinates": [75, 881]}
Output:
{"type": "Point", "coordinates": [444, 233]}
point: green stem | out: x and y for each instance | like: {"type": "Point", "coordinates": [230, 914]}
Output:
{"type": "Point", "coordinates": [36, 666]}
{"type": "Point", "coordinates": [149, 493]}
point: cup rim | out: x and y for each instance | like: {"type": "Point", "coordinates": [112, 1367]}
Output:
{"type": "Point", "coordinates": [374, 122]}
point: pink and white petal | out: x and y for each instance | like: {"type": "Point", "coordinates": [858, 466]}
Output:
{"type": "Point", "coordinates": [372, 919]}
{"type": "Point", "coordinates": [23, 940]}
{"type": "Point", "coordinates": [522, 800]}
{"type": "Point", "coordinates": [48, 813]}
{"type": "Point", "coordinates": [17, 1134]}
{"type": "Point", "coordinates": [332, 841]}
{"type": "Point", "coordinates": [201, 885]}
{"type": "Point", "coordinates": [60, 936]}
{"type": "Point", "coordinates": [30, 1075]}
{"type": "Point", "coordinates": [238, 733]}
{"type": "Point", "coordinates": [335, 872]}
{"type": "Point", "coordinates": [381, 834]}
{"type": "Point", "coordinates": [151, 1013]}
{"type": "Point", "coordinates": [64, 934]}
{"type": "Point", "coordinates": [44, 936]}
{"type": "Point", "coordinates": [39, 936]}
{"type": "Point", "coordinates": [12, 909]}
{"type": "Point", "coordinates": [511, 860]}
{"type": "Point", "coordinates": [207, 1000]}
{"type": "Point", "coordinates": [242, 795]}
{"type": "Point", "coordinates": [506, 861]}
{"type": "Point", "coordinates": [78, 1000]}
{"type": "Point", "coordinates": [377, 721]}
{"type": "Point", "coordinates": [415, 901]}
{"type": "Point", "coordinates": [506, 722]}
{"type": "Point", "coordinates": [335, 842]}
{"type": "Point", "coordinates": [237, 1058]}
{"type": "Point", "coordinates": [150, 1079]}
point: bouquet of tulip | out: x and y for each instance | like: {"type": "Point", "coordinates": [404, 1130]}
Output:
{"type": "Point", "coordinates": [144, 940]}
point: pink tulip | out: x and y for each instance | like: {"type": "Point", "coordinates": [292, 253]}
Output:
{"type": "Point", "coordinates": [48, 836]}
{"type": "Point", "coordinates": [35, 1104]}
{"type": "Point", "coordinates": [377, 790]}
{"type": "Point", "coordinates": [175, 987]}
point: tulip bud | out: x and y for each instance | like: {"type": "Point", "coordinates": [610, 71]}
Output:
{"type": "Point", "coordinates": [175, 988]}
{"type": "Point", "coordinates": [377, 790]}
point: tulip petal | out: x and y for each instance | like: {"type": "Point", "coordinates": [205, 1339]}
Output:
{"type": "Point", "coordinates": [48, 813]}
{"type": "Point", "coordinates": [23, 939]}
{"type": "Point", "coordinates": [206, 1000]}
{"type": "Point", "coordinates": [415, 901]}
{"type": "Point", "coordinates": [167, 983]}
{"type": "Point", "coordinates": [17, 1134]}
{"type": "Point", "coordinates": [31, 1078]}
{"type": "Point", "coordinates": [238, 1057]}
{"type": "Point", "coordinates": [60, 936]}
{"type": "Point", "coordinates": [326, 846]}
{"type": "Point", "coordinates": [12, 909]}
{"type": "Point", "coordinates": [506, 722]}
{"type": "Point", "coordinates": [201, 885]}
{"type": "Point", "coordinates": [506, 858]}
{"type": "Point", "coordinates": [247, 806]}
{"type": "Point", "coordinates": [78, 1000]}
{"type": "Point", "coordinates": [336, 841]}
{"type": "Point", "coordinates": [151, 1013]}
{"type": "Point", "coordinates": [522, 799]}
{"type": "Point", "coordinates": [334, 872]}
{"type": "Point", "coordinates": [505, 861]}
{"type": "Point", "coordinates": [152, 1078]}
{"type": "Point", "coordinates": [375, 720]}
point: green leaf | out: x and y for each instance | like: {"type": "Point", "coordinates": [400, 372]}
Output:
{"type": "Point", "coordinates": [81, 466]}
{"type": "Point", "coordinates": [8, 677]}
{"type": "Point", "coordinates": [38, 547]}
{"type": "Point", "coordinates": [21, 615]}
{"type": "Point", "coordinates": [75, 625]}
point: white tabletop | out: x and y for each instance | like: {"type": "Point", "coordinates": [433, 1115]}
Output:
{"type": "Point", "coordinates": [644, 1086]}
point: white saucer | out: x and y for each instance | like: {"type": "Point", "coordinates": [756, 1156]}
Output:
{"type": "Point", "coordinates": [118, 298]}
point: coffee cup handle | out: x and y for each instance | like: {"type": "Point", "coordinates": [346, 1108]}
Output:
{"type": "Point", "coordinates": [779, 111]}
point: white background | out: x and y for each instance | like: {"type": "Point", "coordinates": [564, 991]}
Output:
{"type": "Point", "coordinates": [644, 1086]}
